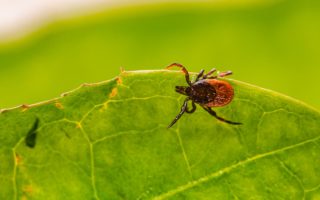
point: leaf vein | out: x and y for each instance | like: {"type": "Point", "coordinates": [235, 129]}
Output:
{"type": "Point", "coordinates": [293, 174]}
{"type": "Point", "coordinates": [227, 169]}
{"type": "Point", "coordinates": [184, 153]}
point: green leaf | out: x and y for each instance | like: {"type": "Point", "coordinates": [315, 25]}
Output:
{"type": "Point", "coordinates": [109, 141]}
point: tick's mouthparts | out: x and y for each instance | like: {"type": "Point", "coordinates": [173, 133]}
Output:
{"type": "Point", "coordinates": [181, 89]}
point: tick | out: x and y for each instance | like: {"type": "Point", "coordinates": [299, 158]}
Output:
{"type": "Point", "coordinates": [206, 91]}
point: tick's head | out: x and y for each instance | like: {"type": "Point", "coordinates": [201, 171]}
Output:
{"type": "Point", "coordinates": [185, 90]}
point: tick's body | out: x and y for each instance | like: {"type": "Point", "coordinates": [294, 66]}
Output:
{"type": "Point", "coordinates": [208, 92]}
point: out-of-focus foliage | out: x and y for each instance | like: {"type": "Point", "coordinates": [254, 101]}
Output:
{"type": "Point", "coordinates": [275, 45]}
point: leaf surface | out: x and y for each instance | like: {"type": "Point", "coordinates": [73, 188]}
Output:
{"type": "Point", "coordinates": [109, 141]}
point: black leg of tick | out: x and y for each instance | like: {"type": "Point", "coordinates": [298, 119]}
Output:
{"type": "Point", "coordinates": [193, 108]}
{"type": "Point", "coordinates": [183, 69]}
{"type": "Point", "coordinates": [209, 73]}
{"type": "Point", "coordinates": [199, 75]}
{"type": "Point", "coordinates": [183, 109]}
{"type": "Point", "coordinates": [213, 113]}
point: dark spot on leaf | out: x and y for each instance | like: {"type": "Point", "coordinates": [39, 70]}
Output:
{"type": "Point", "coordinates": [65, 132]}
{"type": "Point", "coordinates": [18, 158]}
{"type": "Point", "coordinates": [32, 135]}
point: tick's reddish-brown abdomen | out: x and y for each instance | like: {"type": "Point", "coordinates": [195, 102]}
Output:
{"type": "Point", "coordinates": [224, 93]}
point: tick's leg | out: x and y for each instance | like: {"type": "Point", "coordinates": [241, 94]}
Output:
{"type": "Point", "coordinates": [209, 73]}
{"type": "Point", "coordinates": [213, 113]}
{"type": "Point", "coordinates": [193, 108]}
{"type": "Point", "coordinates": [183, 69]}
{"type": "Point", "coordinates": [221, 74]}
{"type": "Point", "coordinates": [227, 73]}
{"type": "Point", "coordinates": [183, 109]}
{"type": "Point", "coordinates": [199, 75]}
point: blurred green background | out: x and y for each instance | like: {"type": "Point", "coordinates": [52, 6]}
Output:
{"type": "Point", "coordinates": [272, 44]}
